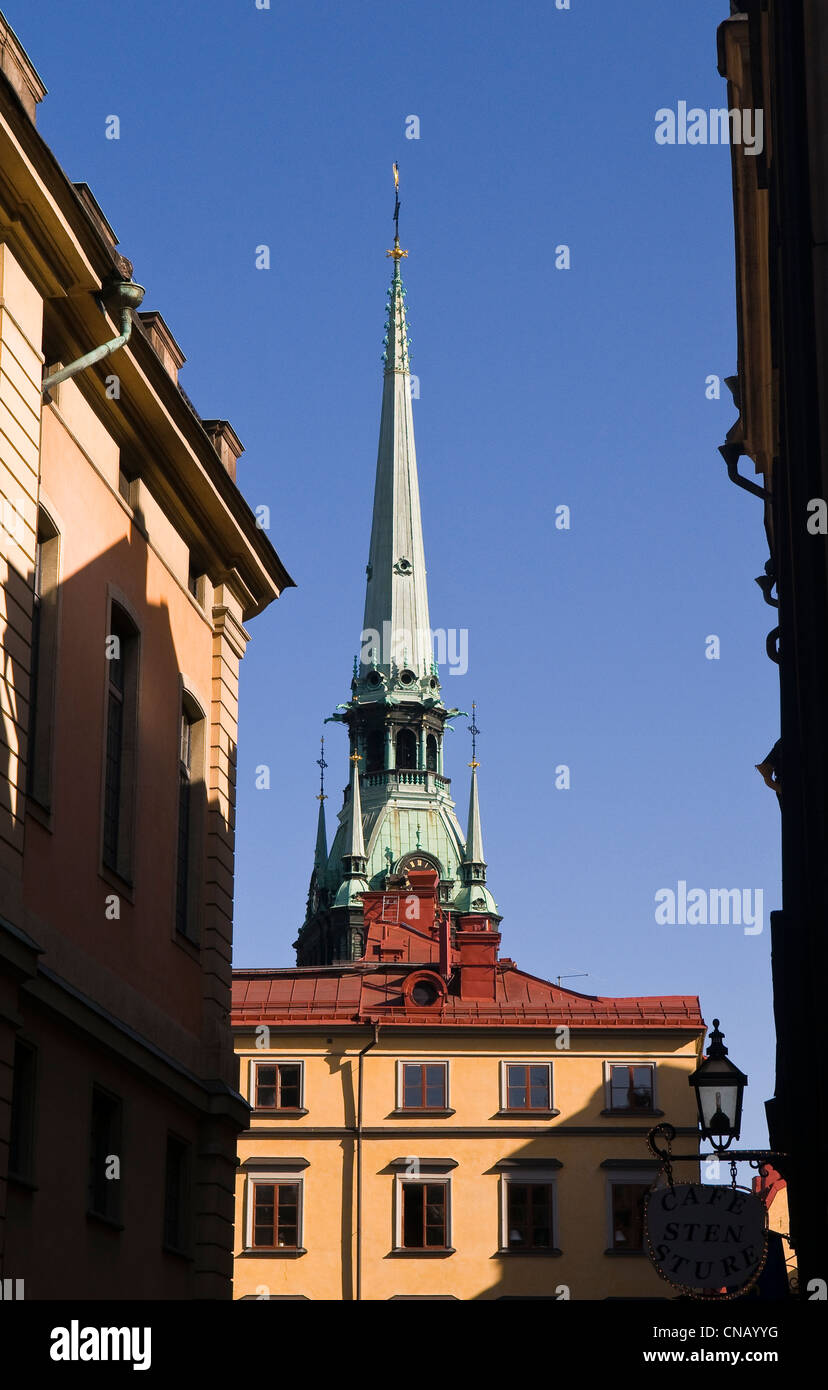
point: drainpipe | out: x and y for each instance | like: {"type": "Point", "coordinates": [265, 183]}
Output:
{"type": "Point", "coordinates": [128, 296]}
{"type": "Point", "coordinates": [367, 1048]}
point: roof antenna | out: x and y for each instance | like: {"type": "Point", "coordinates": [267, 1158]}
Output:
{"type": "Point", "coordinates": [396, 203]}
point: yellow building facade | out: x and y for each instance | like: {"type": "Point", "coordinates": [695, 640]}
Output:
{"type": "Point", "coordinates": [412, 1139]}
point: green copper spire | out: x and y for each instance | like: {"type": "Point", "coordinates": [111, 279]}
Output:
{"type": "Point", "coordinates": [397, 810]}
{"type": "Point", "coordinates": [396, 627]}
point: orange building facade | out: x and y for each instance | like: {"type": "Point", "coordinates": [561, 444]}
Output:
{"type": "Point", "coordinates": [130, 566]}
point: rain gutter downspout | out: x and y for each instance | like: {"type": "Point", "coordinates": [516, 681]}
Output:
{"type": "Point", "coordinates": [367, 1048]}
{"type": "Point", "coordinates": [129, 296]}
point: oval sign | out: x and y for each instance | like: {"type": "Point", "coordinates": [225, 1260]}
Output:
{"type": "Point", "coordinates": [708, 1240]}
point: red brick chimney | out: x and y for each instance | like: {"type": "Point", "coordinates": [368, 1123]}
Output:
{"type": "Point", "coordinates": [477, 945]}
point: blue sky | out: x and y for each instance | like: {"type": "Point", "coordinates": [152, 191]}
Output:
{"type": "Point", "coordinates": [539, 387]}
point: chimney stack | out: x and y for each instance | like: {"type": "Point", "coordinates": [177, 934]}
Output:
{"type": "Point", "coordinates": [477, 945]}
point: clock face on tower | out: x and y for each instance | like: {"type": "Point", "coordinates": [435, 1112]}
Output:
{"type": "Point", "coordinates": [418, 861]}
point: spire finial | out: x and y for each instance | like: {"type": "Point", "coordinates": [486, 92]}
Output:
{"type": "Point", "coordinates": [474, 731]}
{"type": "Point", "coordinates": [397, 253]}
{"type": "Point", "coordinates": [322, 765]}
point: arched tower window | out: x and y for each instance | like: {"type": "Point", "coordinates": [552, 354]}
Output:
{"type": "Point", "coordinates": [431, 753]}
{"type": "Point", "coordinates": [374, 751]}
{"type": "Point", "coordinates": [406, 748]}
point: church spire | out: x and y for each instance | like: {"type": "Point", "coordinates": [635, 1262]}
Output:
{"type": "Point", "coordinates": [396, 627]}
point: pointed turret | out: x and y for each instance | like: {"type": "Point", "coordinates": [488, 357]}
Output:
{"type": "Point", "coordinates": [474, 896]}
{"type": "Point", "coordinates": [320, 858]}
{"type": "Point", "coordinates": [354, 862]}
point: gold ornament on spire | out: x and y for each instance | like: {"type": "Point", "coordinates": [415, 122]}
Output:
{"type": "Point", "coordinates": [397, 253]}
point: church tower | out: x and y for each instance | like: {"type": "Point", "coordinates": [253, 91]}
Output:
{"type": "Point", "coordinates": [397, 812]}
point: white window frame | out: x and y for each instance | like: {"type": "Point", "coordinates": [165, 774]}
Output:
{"type": "Point", "coordinates": [269, 1061]}
{"type": "Point", "coordinates": [621, 1178]}
{"type": "Point", "coordinates": [530, 1175]}
{"type": "Point", "coordinates": [421, 1062]}
{"type": "Point", "coordinates": [272, 1177]}
{"type": "Point", "coordinates": [399, 1179]}
{"type": "Point", "coordinates": [504, 1086]}
{"type": "Point", "coordinates": [622, 1062]}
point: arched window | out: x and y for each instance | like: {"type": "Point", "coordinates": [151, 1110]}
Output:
{"type": "Point", "coordinates": [431, 753]}
{"type": "Point", "coordinates": [374, 751]}
{"type": "Point", "coordinates": [406, 749]}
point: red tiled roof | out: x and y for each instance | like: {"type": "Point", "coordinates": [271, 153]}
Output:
{"type": "Point", "coordinates": [366, 994]}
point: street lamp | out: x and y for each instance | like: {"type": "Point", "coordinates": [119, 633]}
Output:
{"type": "Point", "coordinates": [719, 1086]}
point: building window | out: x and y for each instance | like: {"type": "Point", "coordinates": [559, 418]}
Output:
{"type": "Point", "coordinates": [43, 661]}
{"type": "Point", "coordinates": [529, 1215]}
{"type": "Point", "coordinates": [105, 1155]}
{"type": "Point", "coordinates": [21, 1134]}
{"type": "Point", "coordinates": [423, 1086]}
{"type": "Point", "coordinates": [375, 751]}
{"type": "Point", "coordinates": [424, 1216]}
{"type": "Point", "coordinates": [275, 1216]}
{"type": "Point", "coordinates": [122, 644]}
{"type": "Point", "coordinates": [431, 753]}
{"type": "Point", "coordinates": [190, 799]}
{"type": "Point", "coordinates": [277, 1086]}
{"type": "Point", "coordinates": [631, 1086]}
{"type": "Point", "coordinates": [627, 1215]}
{"type": "Point", "coordinates": [177, 1195]}
{"type": "Point", "coordinates": [527, 1086]}
{"type": "Point", "coordinates": [406, 749]}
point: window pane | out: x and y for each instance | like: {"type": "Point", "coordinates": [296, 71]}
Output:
{"type": "Point", "coordinates": [642, 1087]}
{"type": "Point", "coordinates": [435, 1213]}
{"type": "Point", "coordinates": [539, 1087]}
{"type": "Point", "coordinates": [435, 1086]}
{"type": "Point", "coordinates": [265, 1087]}
{"type": "Point", "coordinates": [289, 1087]}
{"type": "Point", "coordinates": [619, 1088]}
{"type": "Point", "coordinates": [413, 1204]}
{"type": "Point", "coordinates": [516, 1088]}
{"type": "Point", "coordinates": [412, 1086]}
{"type": "Point", "coordinates": [628, 1215]}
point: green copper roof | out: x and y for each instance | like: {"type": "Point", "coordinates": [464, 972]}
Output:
{"type": "Point", "coordinates": [396, 629]}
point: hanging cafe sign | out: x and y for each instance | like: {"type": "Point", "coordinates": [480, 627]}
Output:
{"type": "Point", "coordinates": [709, 1241]}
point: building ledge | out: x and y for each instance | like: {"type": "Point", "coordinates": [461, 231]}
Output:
{"type": "Point", "coordinates": [552, 1253]}
{"type": "Point", "coordinates": [421, 1254]}
{"type": "Point", "coordinates": [281, 1114]}
{"type": "Point", "coordinates": [525, 1114]}
{"type": "Point", "coordinates": [638, 1114]}
{"type": "Point", "coordinates": [403, 1113]}
{"type": "Point", "coordinates": [265, 1254]}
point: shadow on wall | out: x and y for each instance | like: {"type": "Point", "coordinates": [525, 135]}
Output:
{"type": "Point", "coordinates": [124, 857]}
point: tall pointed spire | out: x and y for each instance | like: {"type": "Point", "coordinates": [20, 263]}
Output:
{"type": "Point", "coordinates": [396, 636]}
